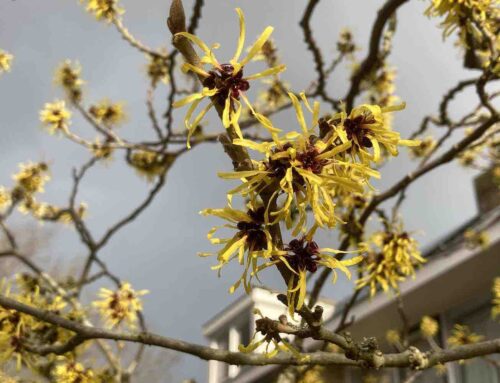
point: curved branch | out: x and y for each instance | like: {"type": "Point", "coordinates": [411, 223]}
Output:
{"type": "Point", "coordinates": [370, 61]}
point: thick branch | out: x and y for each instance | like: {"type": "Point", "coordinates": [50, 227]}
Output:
{"type": "Point", "coordinates": [85, 333]}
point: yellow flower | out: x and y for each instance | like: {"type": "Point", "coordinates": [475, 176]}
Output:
{"type": "Point", "coordinates": [396, 261]}
{"type": "Point", "coordinates": [441, 369]}
{"type": "Point", "coordinates": [306, 170]}
{"type": "Point", "coordinates": [150, 164]}
{"type": "Point", "coordinates": [313, 375]}
{"type": "Point", "coordinates": [475, 239]}
{"type": "Point", "coordinates": [158, 69]}
{"type": "Point", "coordinates": [462, 335]}
{"type": "Point", "coordinates": [426, 146]}
{"type": "Point", "coordinates": [304, 255]}
{"type": "Point", "coordinates": [428, 327]}
{"type": "Point", "coordinates": [47, 212]}
{"type": "Point", "coordinates": [366, 128]}
{"type": "Point", "coordinates": [495, 311]}
{"type": "Point", "coordinates": [106, 10]}
{"type": "Point", "coordinates": [224, 83]}
{"type": "Point", "coordinates": [456, 10]}
{"type": "Point", "coordinates": [73, 372]}
{"type": "Point", "coordinates": [381, 87]}
{"type": "Point", "coordinates": [108, 113]}
{"type": "Point", "coordinates": [251, 241]}
{"type": "Point", "coordinates": [117, 307]}
{"type": "Point", "coordinates": [5, 198]}
{"type": "Point", "coordinates": [32, 177]}
{"type": "Point", "coordinates": [16, 327]}
{"type": "Point", "coordinates": [55, 117]}
{"type": "Point", "coordinates": [101, 149]}
{"type": "Point", "coordinates": [345, 44]}
{"type": "Point", "coordinates": [68, 77]}
{"type": "Point", "coordinates": [5, 61]}
{"type": "Point", "coordinates": [393, 337]}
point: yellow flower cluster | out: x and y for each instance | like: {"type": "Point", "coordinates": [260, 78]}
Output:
{"type": "Point", "coordinates": [474, 239]}
{"type": "Point", "coordinates": [426, 146]}
{"type": "Point", "coordinates": [101, 149]}
{"type": "Point", "coordinates": [111, 114]}
{"type": "Point", "coordinates": [106, 10]}
{"type": "Point", "coordinates": [462, 335]}
{"type": "Point", "coordinates": [477, 22]}
{"type": "Point", "coordinates": [16, 327]}
{"type": "Point", "coordinates": [55, 117]}
{"type": "Point", "coordinates": [68, 77]}
{"type": "Point", "coordinates": [157, 69]}
{"type": "Point", "coordinates": [150, 164]}
{"type": "Point", "coordinates": [298, 171]}
{"type": "Point", "coordinates": [393, 337]}
{"type": "Point", "coordinates": [5, 199]}
{"type": "Point", "coordinates": [31, 178]}
{"type": "Point", "coordinates": [396, 260]}
{"type": "Point", "coordinates": [120, 306]}
{"type": "Point", "coordinates": [73, 372]}
{"type": "Point", "coordinates": [495, 311]}
{"type": "Point", "coordinates": [428, 327]}
{"type": "Point", "coordinates": [345, 43]}
{"type": "Point", "coordinates": [5, 61]}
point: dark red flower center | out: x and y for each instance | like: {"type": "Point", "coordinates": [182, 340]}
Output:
{"type": "Point", "coordinates": [256, 238]}
{"type": "Point", "coordinates": [226, 82]}
{"type": "Point", "coordinates": [354, 129]}
{"type": "Point", "coordinates": [303, 255]}
{"type": "Point", "coordinates": [308, 159]}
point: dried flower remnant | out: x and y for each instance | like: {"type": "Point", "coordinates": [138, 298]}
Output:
{"type": "Point", "coordinates": [111, 114]}
{"type": "Point", "coordinates": [396, 260]}
{"type": "Point", "coordinates": [5, 61]}
{"type": "Point", "coordinates": [271, 337]}
{"type": "Point", "coordinates": [68, 77]}
{"type": "Point", "coordinates": [224, 83]}
{"type": "Point", "coordinates": [120, 306]}
{"type": "Point", "coordinates": [428, 327]}
{"type": "Point", "coordinates": [55, 117]}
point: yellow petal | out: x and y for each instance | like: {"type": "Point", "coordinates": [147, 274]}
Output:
{"type": "Point", "coordinates": [268, 72]}
{"type": "Point", "coordinates": [257, 46]}
{"type": "Point", "coordinates": [241, 37]}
